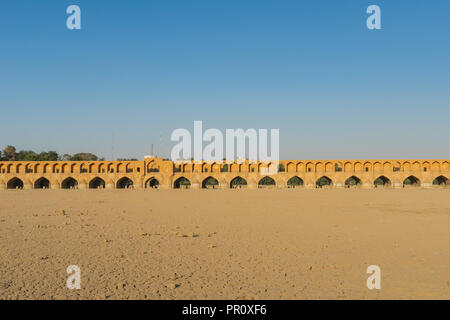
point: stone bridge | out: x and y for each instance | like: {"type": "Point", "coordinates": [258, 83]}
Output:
{"type": "Point", "coordinates": [165, 174]}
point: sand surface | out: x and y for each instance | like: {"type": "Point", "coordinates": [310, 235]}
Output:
{"type": "Point", "coordinates": [225, 244]}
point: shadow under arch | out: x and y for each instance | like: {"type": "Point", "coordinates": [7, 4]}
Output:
{"type": "Point", "coordinates": [382, 181]}
{"type": "Point", "coordinates": [42, 183]}
{"type": "Point", "coordinates": [411, 181]}
{"type": "Point", "coordinates": [266, 182]}
{"type": "Point", "coordinates": [441, 181]}
{"type": "Point", "coordinates": [124, 183]}
{"type": "Point", "coordinates": [210, 183]}
{"type": "Point", "coordinates": [152, 183]}
{"type": "Point", "coordinates": [182, 183]}
{"type": "Point", "coordinates": [69, 183]}
{"type": "Point", "coordinates": [14, 183]}
{"type": "Point", "coordinates": [324, 182]}
{"type": "Point", "coordinates": [97, 183]}
{"type": "Point", "coordinates": [353, 181]}
{"type": "Point", "coordinates": [295, 182]}
{"type": "Point", "coordinates": [238, 182]}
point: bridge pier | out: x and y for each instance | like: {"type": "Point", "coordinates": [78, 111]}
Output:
{"type": "Point", "coordinates": [109, 186]}
{"type": "Point", "coordinates": [252, 185]}
{"type": "Point", "coordinates": [27, 186]}
{"type": "Point", "coordinates": [82, 186]}
{"type": "Point", "coordinates": [55, 186]}
{"type": "Point", "coordinates": [223, 185]}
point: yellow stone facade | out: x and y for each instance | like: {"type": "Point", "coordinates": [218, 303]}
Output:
{"type": "Point", "coordinates": [166, 174]}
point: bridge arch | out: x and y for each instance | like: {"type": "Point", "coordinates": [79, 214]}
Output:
{"type": "Point", "coordinates": [411, 181]}
{"type": "Point", "coordinates": [69, 183]}
{"type": "Point", "coordinates": [210, 182]}
{"type": "Point", "coordinates": [295, 182]}
{"type": "Point", "coordinates": [182, 183]}
{"type": "Point", "coordinates": [124, 183]}
{"type": "Point", "coordinates": [441, 181]}
{"type": "Point", "coordinates": [152, 183]}
{"type": "Point", "coordinates": [238, 182]}
{"type": "Point", "coordinates": [42, 183]}
{"type": "Point", "coordinates": [353, 181]}
{"type": "Point", "coordinates": [97, 183]}
{"type": "Point", "coordinates": [382, 181]}
{"type": "Point", "coordinates": [14, 183]}
{"type": "Point", "coordinates": [266, 182]}
{"type": "Point", "coordinates": [324, 181]}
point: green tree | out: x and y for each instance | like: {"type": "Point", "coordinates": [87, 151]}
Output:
{"type": "Point", "coordinates": [48, 156]}
{"type": "Point", "coordinates": [9, 153]}
{"type": "Point", "coordinates": [84, 157]}
{"type": "Point", "coordinates": [29, 155]}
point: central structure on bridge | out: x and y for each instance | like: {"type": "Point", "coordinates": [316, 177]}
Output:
{"type": "Point", "coordinates": [166, 174]}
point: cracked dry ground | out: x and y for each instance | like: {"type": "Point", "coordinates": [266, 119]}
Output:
{"type": "Point", "coordinates": [225, 244]}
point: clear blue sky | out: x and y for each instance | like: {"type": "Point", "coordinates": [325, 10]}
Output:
{"type": "Point", "coordinates": [310, 68]}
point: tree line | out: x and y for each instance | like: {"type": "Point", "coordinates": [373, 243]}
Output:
{"type": "Point", "coordinates": [11, 154]}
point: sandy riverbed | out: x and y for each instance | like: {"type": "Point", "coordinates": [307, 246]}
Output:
{"type": "Point", "coordinates": [225, 244]}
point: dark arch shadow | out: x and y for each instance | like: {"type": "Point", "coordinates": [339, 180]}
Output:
{"type": "Point", "coordinates": [441, 181]}
{"type": "Point", "coordinates": [411, 181]}
{"type": "Point", "coordinates": [266, 182]}
{"type": "Point", "coordinates": [238, 182]}
{"type": "Point", "coordinates": [295, 182]}
{"type": "Point", "coordinates": [69, 183]}
{"type": "Point", "coordinates": [124, 183]}
{"type": "Point", "coordinates": [353, 182]}
{"type": "Point", "coordinates": [382, 181]}
{"type": "Point", "coordinates": [210, 183]}
{"type": "Point", "coordinates": [42, 183]}
{"type": "Point", "coordinates": [324, 182]}
{"type": "Point", "coordinates": [152, 183]}
{"type": "Point", "coordinates": [97, 183]}
{"type": "Point", "coordinates": [182, 183]}
{"type": "Point", "coordinates": [15, 183]}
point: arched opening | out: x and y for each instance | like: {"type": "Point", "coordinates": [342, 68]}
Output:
{"type": "Point", "coordinates": [152, 183]}
{"type": "Point", "coordinates": [210, 183]}
{"type": "Point", "coordinates": [182, 183]}
{"type": "Point", "coordinates": [42, 183]}
{"type": "Point", "coordinates": [295, 182]}
{"type": "Point", "coordinates": [353, 182]}
{"type": "Point", "coordinates": [15, 183]}
{"type": "Point", "coordinates": [411, 181]}
{"type": "Point", "coordinates": [124, 183]}
{"type": "Point", "coordinates": [238, 183]}
{"type": "Point", "coordinates": [382, 181]}
{"type": "Point", "coordinates": [97, 183]}
{"type": "Point", "coordinates": [441, 181]}
{"type": "Point", "coordinates": [324, 182]}
{"type": "Point", "coordinates": [69, 183]}
{"type": "Point", "coordinates": [266, 182]}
